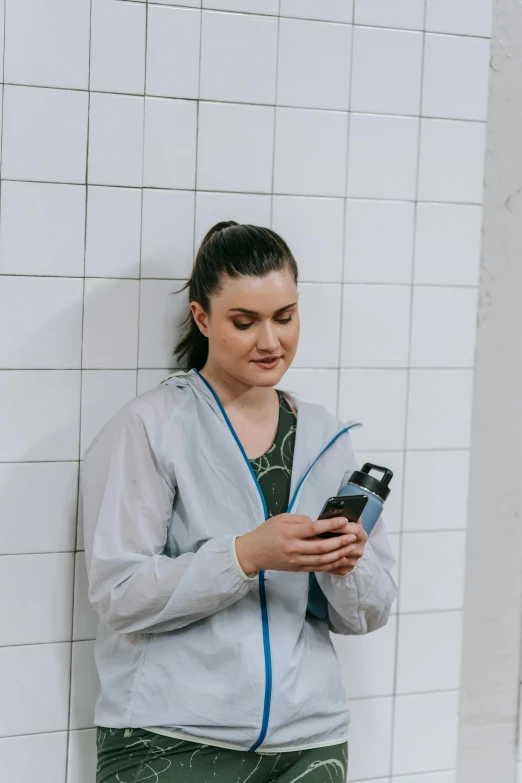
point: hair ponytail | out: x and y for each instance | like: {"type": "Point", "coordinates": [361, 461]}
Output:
{"type": "Point", "coordinates": [236, 250]}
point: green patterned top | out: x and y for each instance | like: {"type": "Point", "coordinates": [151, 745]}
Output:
{"type": "Point", "coordinates": [274, 468]}
{"type": "Point", "coordinates": [274, 473]}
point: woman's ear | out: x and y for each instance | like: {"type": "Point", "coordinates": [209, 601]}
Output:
{"type": "Point", "coordinates": [200, 317]}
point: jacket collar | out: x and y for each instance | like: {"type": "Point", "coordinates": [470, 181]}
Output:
{"type": "Point", "coordinates": [315, 426]}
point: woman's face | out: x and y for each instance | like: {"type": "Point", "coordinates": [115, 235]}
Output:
{"type": "Point", "coordinates": [252, 328]}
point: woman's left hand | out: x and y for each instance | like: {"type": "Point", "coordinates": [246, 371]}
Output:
{"type": "Point", "coordinates": [349, 562]}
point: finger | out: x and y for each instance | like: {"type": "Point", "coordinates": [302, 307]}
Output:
{"type": "Point", "coordinates": [323, 526]}
{"type": "Point", "coordinates": [346, 564]}
{"type": "Point", "coordinates": [328, 558]}
{"type": "Point", "coordinates": [319, 546]}
{"type": "Point", "coordinates": [355, 528]}
{"type": "Point", "coordinates": [340, 564]}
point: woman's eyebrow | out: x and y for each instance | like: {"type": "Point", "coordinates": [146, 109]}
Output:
{"type": "Point", "coordinates": [253, 312]}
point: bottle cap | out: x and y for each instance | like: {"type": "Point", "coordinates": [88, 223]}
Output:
{"type": "Point", "coordinates": [378, 486]}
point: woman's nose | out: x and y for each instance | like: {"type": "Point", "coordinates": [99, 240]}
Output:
{"type": "Point", "coordinates": [267, 339]}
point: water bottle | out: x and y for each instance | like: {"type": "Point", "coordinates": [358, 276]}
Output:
{"type": "Point", "coordinates": [376, 490]}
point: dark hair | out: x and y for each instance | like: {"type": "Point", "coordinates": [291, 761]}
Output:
{"type": "Point", "coordinates": [236, 250]}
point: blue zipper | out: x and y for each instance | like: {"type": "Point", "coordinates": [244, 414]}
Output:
{"type": "Point", "coordinates": [262, 588]}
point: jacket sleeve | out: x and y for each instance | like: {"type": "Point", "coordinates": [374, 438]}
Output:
{"type": "Point", "coordinates": [361, 601]}
{"type": "Point", "coordinates": [127, 500]}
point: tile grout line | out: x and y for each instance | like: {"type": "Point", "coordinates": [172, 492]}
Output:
{"type": "Point", "coordinates": [80, 407]}
{"type": "Point", "coordinates": [228, 102]}
{"type": "Point", "coordinates": [345, 229]}
{"type": "Point", "coordinates": [2, 108]}
{"type": "Point", "coordinates": [312, 19]}
{"type": "Point", "coordinates": [196, 154]}
{"type": "Point", "coordinates": [322, 109]}
{"type": "Point", "coordinates": [266, 194]}
{"type": "Point", "coordinates": [144, 123]}
{"type": "Point", "coordinates": [323, 283]}
{"type": "Point", "coordinates": [407, 403]}
{"type": "Point", "coordinates": [275, 113]}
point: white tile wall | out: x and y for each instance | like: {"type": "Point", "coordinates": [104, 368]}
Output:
{"type": "Point", "coordinates": [46, 331]}
{"type": "Point", "coordinates": [118, 47]}
{"type": "Point", "coordinates": [354, 129]}
{"type": "Point", "coordinates": [404, 14]}
{"type": "Point", "coordinates": [370, 737]}
{"type": "Point", "coordinates": [319, 303]}
{"type": "Point", "coordinates": [428, 654]}
{"type": "Point", "coordinates": [235, 147]}
{"type": "Point", "coordinates": [55, 244]}
{"type": "Point", "coordinates": [418, 720]}
{"type": "Point", "coordinates": [379, 241]}
{"type": "Point", "coordinates": [38, 507]}
{"type": "Point", "coordinates": [387, 68]}
{"type": "Point", "coordinates": [455, 77]}
{"type": "Point", "coordinates": [169, 155]}
{"type": "Point", "coordinates": [447, 244]}
{"type": "Point", "coordinates": [35, 757]}
{"type": "Point", "coordinates": [167, 233]}
{"type": "Point", "coordinates": [44, 136]}
{"type": "Point", "coordinates": [451, 161]}
{"type": "Point", "coordinates": [115, 140]}
{"type": "Point", "coordinates": [317, 137]}
{"type": "Point", "coordinates": [173, 51]}
{"type": "Point", "coordinates": [327, 10]}
{"type": "Point", "coordinates": [432, 571]}
{"type": "Point", "coordinates": [244, 6]}
{"type": "Point", "coordinates": [81, 763]}
{"type": "Point", "coordinates": [382, 157]}
{"type": "Point", "coordinates": [425, 506]}
{"type": "Point", "coordinates": [378, 399]}
{"type": "Point", "coordinates": [467, 17]}
{"type": "Point", "coordinates": [443, 327]}
{"type": "Point", "coordinates": [313, 228]}
{"type": "Point", "coordinates": [36, 598]}
{"type": "Point", "coordinates": [230, 39]}
{"type": "Point", "coordinates": [34, 688]}
{"type": "Point", "coordinates": [376, 326]}
{"type": "Point", "coordinates": [104, 392]}
{"type": "Point", "coordinates": [314, 64]}
{"type": "Point", "coordinates": [368, 662]}
{"type": "Point", "coordinates": [113, 232]}
{"type": "Point", "coordinates": [319, 386]}
{"type": "Point", "coordinates": [47, 44]}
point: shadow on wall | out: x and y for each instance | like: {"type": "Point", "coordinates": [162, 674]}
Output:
{"type": "Point", "coordinates": [49, 419]}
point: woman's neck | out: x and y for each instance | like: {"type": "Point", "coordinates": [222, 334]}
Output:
{"type": "Point", "coordinates": [235, 394]}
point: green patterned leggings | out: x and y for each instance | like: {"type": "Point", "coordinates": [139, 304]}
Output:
{"type": "Point", "coordinates": [136, 756]}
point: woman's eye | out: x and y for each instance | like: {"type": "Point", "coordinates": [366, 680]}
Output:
{"type": "Point", "coordinates": [242, 326]}
{"type": "Point", "coordinates": [284, 320]}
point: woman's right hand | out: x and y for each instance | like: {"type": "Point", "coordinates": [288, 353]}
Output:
{"type": "Point", "coordinates": [287, 542]}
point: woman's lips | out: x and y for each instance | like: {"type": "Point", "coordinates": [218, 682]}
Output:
{"type": "Point", "coordinates": [269, 363]}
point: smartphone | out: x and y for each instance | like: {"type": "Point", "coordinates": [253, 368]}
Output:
{"type": "Point", "coordinates": [349, 506]}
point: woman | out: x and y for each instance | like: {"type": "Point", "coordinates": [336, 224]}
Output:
{"type": "Point", "coordinates": [215, 595]}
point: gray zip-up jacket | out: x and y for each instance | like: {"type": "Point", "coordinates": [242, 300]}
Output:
{"type": "Point", "coordinates": [184, 639]}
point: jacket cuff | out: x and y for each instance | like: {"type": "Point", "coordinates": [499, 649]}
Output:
{"type": "Point", "coordinates": [244, 576]}
{"type": "Point", "coordinates": [340, 579]}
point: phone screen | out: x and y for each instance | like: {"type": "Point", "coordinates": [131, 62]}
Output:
{"type": "Point", "coordinates": [349, 506]}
